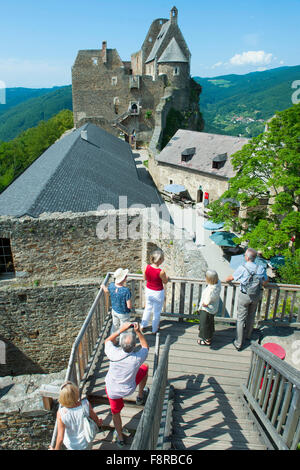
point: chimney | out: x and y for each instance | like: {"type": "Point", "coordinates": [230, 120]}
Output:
{"type": "Point", "coordinates": [104, 51]}
{"type": "Point", "coordinates": [84, 135]}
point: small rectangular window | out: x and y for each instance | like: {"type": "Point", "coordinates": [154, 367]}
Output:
{"type": "Point", "coordinates": [114, 81]}
{"type": "Point", "coordinates": [176, 71]}
{"type": "Point", "coordinates": [6, 259]}
{"type": "Point", "coordinates": [95, 60]}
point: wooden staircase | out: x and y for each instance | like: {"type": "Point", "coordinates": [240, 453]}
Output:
{"type": "Point", "coordinates": [207, 411]}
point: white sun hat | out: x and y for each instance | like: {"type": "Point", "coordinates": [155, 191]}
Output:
{"type": "Point", "coordinates": [120, 275]}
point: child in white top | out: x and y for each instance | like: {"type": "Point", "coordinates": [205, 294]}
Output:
{"type": "Point", "coordinates": [208, 307]}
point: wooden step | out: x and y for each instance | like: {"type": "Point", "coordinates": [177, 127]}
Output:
{"type": "Point", "coordinates": [214, 444]}
{"type": "Point", "coordinates": [207, 413]}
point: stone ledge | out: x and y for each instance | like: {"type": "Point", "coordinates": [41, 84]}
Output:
{"type": "Point", "coordinates": [21, 394]}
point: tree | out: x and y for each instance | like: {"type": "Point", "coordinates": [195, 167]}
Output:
{"type": "Point", "coordinates": [266, 187]}
{"type": "Point", "coordinates": [19, 153]}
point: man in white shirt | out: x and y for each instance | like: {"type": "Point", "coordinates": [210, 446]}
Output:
{"type": "Point", "coordinates": [246, 306]}
{"type": "Point", "coordinates": [126, 371]}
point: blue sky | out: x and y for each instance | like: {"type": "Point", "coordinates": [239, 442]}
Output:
{"type": "Point", "coordinates": [39, 40]}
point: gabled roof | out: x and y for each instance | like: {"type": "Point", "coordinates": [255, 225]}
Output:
{"type": "Point", "coordinates": [207, 147]}
{"type": "Point", "coordinates": [158, 41]}
{"type": "Point", "coordinates": [172, 53]}
{"type": "Point", "coordinates": [78, 175]}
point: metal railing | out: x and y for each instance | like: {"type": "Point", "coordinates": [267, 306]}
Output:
{"type": "Point", "coordinates": [86, 344]}
{"type": "Point", "coordinates": [280, 302]}
{"type": "Point", "coordinates": [148, 430]}
{"type": "Point", "coordinates": [88, 339]}
{"type": "Point", "coordinates": [181, 301]}
{"type": "Point", "coordinates": [272, 393]}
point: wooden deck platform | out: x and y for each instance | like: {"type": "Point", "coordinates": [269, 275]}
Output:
{"type": "Point", "coordinates": [207, 412]}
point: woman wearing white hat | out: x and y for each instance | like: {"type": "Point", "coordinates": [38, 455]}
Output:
{"type": "Point", "coordinates": [120, 297]}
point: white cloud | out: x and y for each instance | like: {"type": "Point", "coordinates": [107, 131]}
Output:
{"type": "Point", "coordinates": [252, 58]}
{"type": "Point", "coordinates": [218, 64]}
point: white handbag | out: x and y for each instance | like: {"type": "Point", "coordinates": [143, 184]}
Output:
{"type": "Point", "coordinates": [90, 428]}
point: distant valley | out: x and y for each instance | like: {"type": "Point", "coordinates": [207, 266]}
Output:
{"type": "Point", "coordinates": [240, 104]}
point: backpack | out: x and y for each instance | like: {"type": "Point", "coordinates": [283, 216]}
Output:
{"type": "Point", "coordinates": [252, 286]}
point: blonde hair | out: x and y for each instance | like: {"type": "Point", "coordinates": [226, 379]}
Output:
{"type": "Point", "coordinates": [68, 395]}
{"type": "Point", "coordinates": [156, 256]}
{"type": "Point", "coordinates": [211, 277]}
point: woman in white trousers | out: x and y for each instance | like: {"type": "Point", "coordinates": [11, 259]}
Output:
{"type": "Point", "coordinates": [155, 293]}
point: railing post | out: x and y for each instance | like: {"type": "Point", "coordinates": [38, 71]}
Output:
{"type": "Point", "coordinates": [293, 418]}
{"type": "Point", "coordinates": [156, 354]}
{"type": "Point", "coordinates": [182, 299]}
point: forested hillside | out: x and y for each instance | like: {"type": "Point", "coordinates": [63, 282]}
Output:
{"type": "Point", "coordinates": [15, 96]}
{"type": "Point", "coordinates": [28, 113]}
{"type": "Point", "coordinates": [240, 104]}
{"type": "Point", "coordinates": [19, 153]}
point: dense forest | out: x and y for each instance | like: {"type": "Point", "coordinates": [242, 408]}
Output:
{"type": "Point", "coordinates": [15, 96]}
{"type": "Point", "coordinates": [241, 104]}
{"type": "Point", "coordinates": [19, 153]}
{"type": "Point", "coordinates": [25, 109]}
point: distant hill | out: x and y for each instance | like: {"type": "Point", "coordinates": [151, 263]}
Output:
{"type": "Point", "coordinates": [15, 96]}
{"type": "Point", "coordinates": [240, 104]}
{"type": "Point", "coordinates": [17, 154]}
{"type": "Point", "coordinates": [25, 108]}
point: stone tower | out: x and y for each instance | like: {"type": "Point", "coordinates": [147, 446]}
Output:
{"type": "Point", "coordinates": [134, 97]}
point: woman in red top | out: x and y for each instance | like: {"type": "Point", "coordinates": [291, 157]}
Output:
{"type": "Point", "coordinates": [155, 293]}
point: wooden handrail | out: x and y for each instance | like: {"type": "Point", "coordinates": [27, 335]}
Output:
{"type": "Point", "coordinates": [94, 326]}
{"type": "Point", "coordinates": [279, 301]}
{"type": "Point", "coordinates": [147, 433]}
{"type": "Point", "coordinates": [272, 392]}
{"type": "Point", "coordinates": [85, 346]}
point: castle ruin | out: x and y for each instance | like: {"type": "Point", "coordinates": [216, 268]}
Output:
{"type": "Point", "coordinates": [134, 98]}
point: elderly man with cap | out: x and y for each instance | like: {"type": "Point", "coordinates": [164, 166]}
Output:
{"type": "Point", "coordinates": [120, 297]}
{"type": "Point", "coordinates": [247, 302]}
{"type": "Point", "coordinates": [126, 371]}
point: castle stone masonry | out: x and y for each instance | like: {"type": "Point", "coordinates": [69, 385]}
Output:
{"type": "Point", "coordinates": [128, 97]}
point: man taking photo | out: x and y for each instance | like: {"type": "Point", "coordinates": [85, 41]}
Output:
{"type": "Point", "coordinates": [126, 371]}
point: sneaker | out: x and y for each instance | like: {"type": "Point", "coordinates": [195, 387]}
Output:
{"type": "Point", "coordinates": [116, 440]}
{"type": "Point", "coordinates": [126, 432]}
{"type": "Point", "coordinates": [142, 401]}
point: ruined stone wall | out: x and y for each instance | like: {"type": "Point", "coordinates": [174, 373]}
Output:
{"type": "Point", "coordinates": [96, 90]}
{"type": "Point", "coordinates": [60, 262]}
{"type": "Point", "coordinates": [24, 422]}
{"type": "Point", "coordinates": [19, 432]}
{"type": "Point", "coordinates": [179, 80]}
{"type": "Point", "coordinates": [66, 246]}
{"type": "Point", "coordinates": [39, 324]}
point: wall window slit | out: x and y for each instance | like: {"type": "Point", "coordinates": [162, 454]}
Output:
{"type": "Point", "coordinates": [6, 259]}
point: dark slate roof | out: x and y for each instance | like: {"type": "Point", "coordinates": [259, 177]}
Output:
{"type": "Point", "coordinates": [158, 42]}
{"type": "Point", "coordinates": [172, 53]}
{"type": "Point", "coordinates": [77, 175]}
